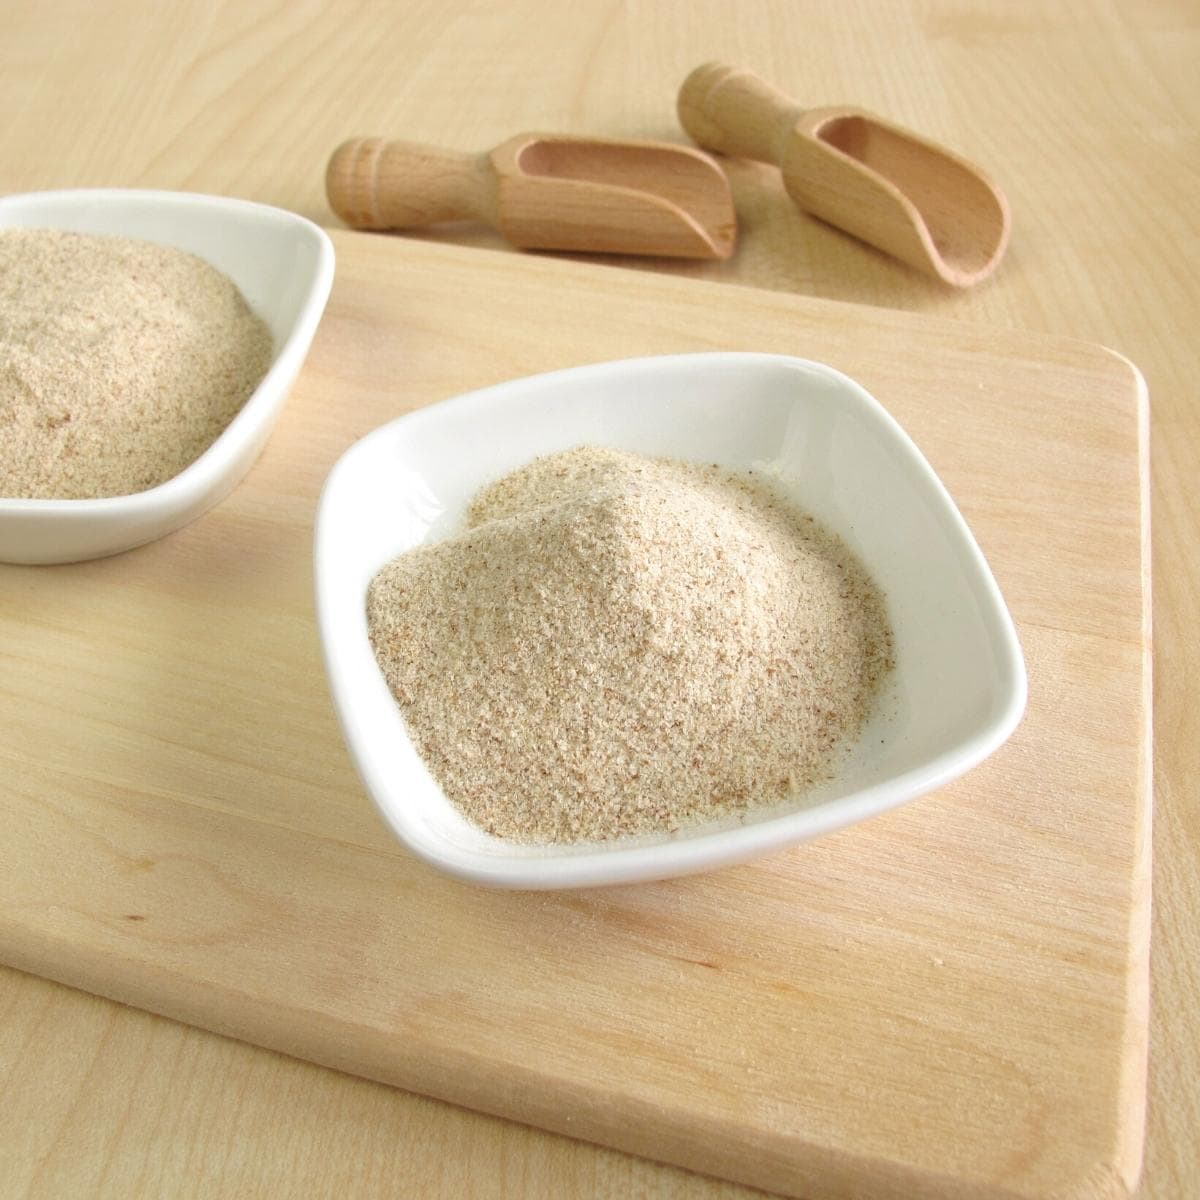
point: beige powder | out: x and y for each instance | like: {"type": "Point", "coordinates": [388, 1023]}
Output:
{"type": "Point", "coordinates": [121, 361]}
{"type": "Point", "coordinates": [618, 645]}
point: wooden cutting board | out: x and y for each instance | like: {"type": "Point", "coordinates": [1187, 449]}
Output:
{"type": "Point", "coordinates": [948, 1001]}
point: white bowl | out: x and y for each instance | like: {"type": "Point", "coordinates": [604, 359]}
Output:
{"type": "Point", "coordinates": [958, 689]}
{"type": "Point", "coordinates": [283, 265]}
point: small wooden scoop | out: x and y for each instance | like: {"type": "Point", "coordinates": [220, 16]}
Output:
{"type": "Point", "coordinates": [544, 192]}
{"type": "Point", "coordinates": [927, 207]}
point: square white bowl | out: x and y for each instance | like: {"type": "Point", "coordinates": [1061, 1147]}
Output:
{"type": "Point", "coordinates": [959, 686]}
{"type": "Point", "coordinates": [283, 265]}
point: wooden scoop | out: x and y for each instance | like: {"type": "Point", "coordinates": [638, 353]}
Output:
{"type": "Point", "coordinates": [544, 192]}
{"type": "Point", "coordinates": [927, 207]}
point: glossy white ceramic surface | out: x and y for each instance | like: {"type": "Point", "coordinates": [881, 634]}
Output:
{"type": "Point", "coordinates": [959, 686]}
{"type": "Point", "coordinates": [283, 265]}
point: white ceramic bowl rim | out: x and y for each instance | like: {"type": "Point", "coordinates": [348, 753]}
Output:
{"type": "Point", "coordinates": [199, 474]}
{"type": "Point", "coordinates": [628, 862]}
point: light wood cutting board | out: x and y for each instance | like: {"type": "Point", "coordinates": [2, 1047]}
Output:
{"type": "Point", "coordinates": [948, 1001]}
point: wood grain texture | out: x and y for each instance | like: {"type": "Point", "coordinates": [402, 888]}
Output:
{"type": "Point", "coordinates": [543, 192]}
{"type": "Point", "coordinates": [897, 191]}
{"type": "Point", "coordinates": [1086, 112]}
{"type": "Point", "coordinates": [948, 1001]}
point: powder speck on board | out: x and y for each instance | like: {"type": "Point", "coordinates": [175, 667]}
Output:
{"type": "Point", "coordinates": [618, 645]}
{"type": "Point", "coordinates": [121, 361]}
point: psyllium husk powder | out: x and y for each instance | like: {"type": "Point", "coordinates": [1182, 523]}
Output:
{"type": "Point", "coordinates": [121, 361]}
{"type": "Point", "coordinates": [617, 645]}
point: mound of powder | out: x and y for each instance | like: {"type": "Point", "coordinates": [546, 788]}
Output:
{"type": "Point", "coordinates": [618, 645]}
{"type": "Point", "coordinates": [121, 361]}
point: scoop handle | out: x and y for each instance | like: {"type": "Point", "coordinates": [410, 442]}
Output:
{"type": "Point", "coordinates": [733, 111]}
{"type": "Point", "coordinates": [374, 183]}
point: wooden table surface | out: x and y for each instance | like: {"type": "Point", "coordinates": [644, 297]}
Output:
{"type": "Point", "coordinates": [1086, 112]}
